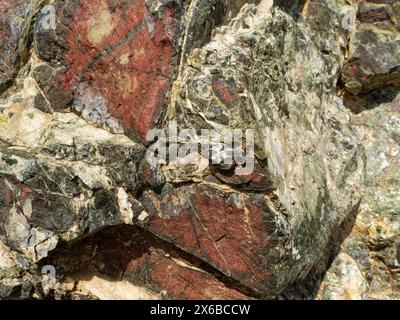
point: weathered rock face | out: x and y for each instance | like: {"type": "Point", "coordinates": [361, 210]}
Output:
{"type": "Point", "coordinates": [373, 59]}
{"type": "Point", "coordinates": [364, 263]}
{"type": "Point", "coordinates": [117, 59]}
{"type": "Point", "coordinates": [250, 75]}
{"type": "Point", "coordinates": [115, 62]}
{"type": "Point", "coordinates": [14, 20]}
{"type": "Point", "coordinates": [82, 92]}
{"type": "Point", "coordinates": [372, 249]}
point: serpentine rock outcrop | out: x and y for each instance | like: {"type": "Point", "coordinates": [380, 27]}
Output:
{"type": "Point", "coordinates": [84, 83]}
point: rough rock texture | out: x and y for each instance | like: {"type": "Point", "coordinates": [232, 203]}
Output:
{"type": "Point", "coordinates": [15, 20]}
{"type": "Point", "coordinates": [373, 57]}
{"type": "Point", "coordinates": [316, 218]}
{"type": "Point", "coordinates": [363, 260]}
{"type": "Point", "coordinates": [372, 249]}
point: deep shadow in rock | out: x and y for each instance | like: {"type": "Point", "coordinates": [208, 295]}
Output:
{"type": "Point", "coordinates": [292, 7]}
{"type": "Point", "coordinates": [370, 100]}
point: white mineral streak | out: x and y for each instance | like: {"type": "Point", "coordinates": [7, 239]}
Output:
{"type": "Point", "coordinates": [125, 207]}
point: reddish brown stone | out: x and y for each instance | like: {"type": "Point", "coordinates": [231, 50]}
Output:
{"type": "Point", "coordinates": [181, 282]}
{"type": "Point", "coordinates": [224, 92]}
{"type": "Point", "coordinates": [232, 232]}
{"type": "Point", "coordinates": [374, 15]}
{"type": "Point", "coordinates": [139, 257]}
{"type": "Point", "coordinates": [373, 64]}
{"type": "Point", "coordinates": [118, 53]}
{"type": "Point", "coordinates": [379, 14]}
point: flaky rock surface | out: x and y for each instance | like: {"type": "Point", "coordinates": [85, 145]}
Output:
{"type": "Point", "coordinates": [318, 82]}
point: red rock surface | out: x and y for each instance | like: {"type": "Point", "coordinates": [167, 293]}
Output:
{"type": "Point", "coordinates": [230, 231]}
{"type": "Point", "coordinates": [123, 54]}
{"type": "Point", "coordinates": [224, 92]}
{"type": "Point", "coordinates": [146, 261]}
